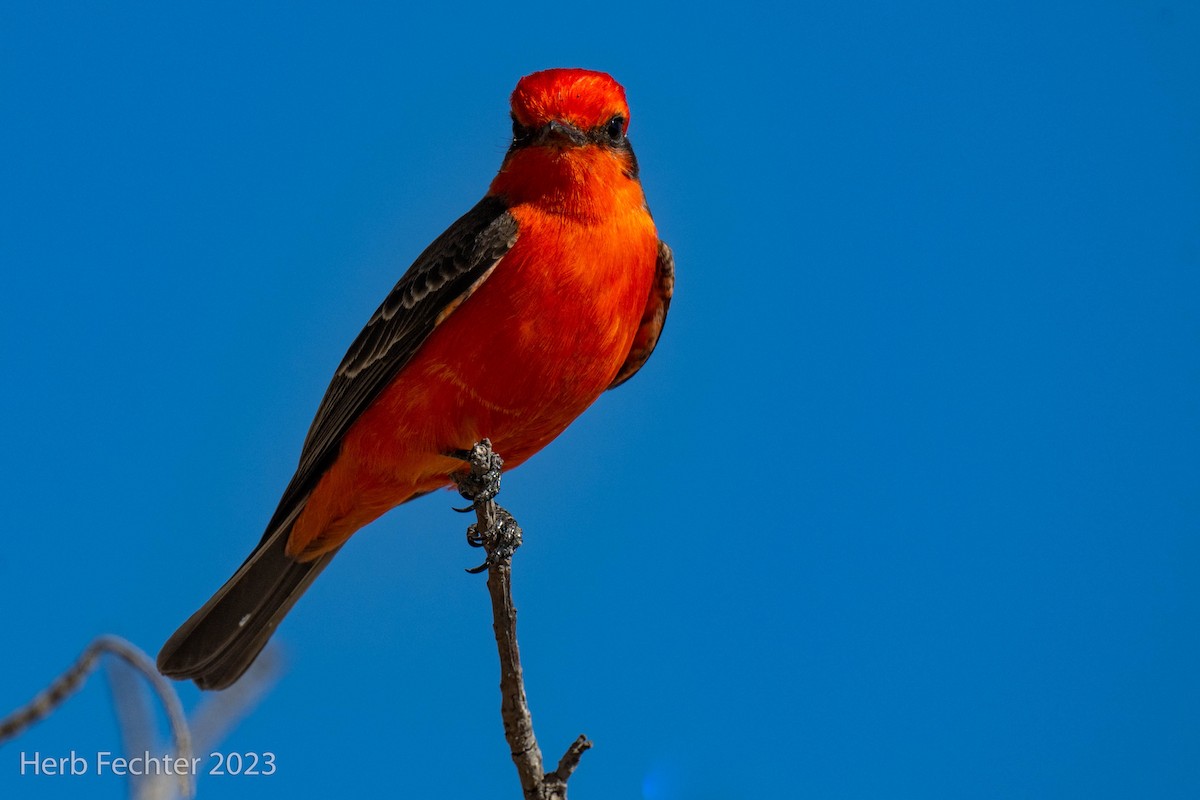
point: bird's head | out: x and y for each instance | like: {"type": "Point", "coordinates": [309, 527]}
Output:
{"type": "Point", "coordinates": [569, 108]}
{"type": "Point", "coordinates": [569, 147]}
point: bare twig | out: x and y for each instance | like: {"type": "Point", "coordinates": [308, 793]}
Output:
{"type": "Point", "coordinates": [71, 680]}
{"type": "Point", "coordinates": [209, 722]}
{"type": "Point", "coordinates": [137, 723]}
{"type": "Point", "coordinates": [497, 532]}
{"type": "Point", "coordinates": [218, 713]}
{"type": "Point", "coordinates": [556, 781]}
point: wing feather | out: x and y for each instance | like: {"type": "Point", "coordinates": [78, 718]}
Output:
{"type": "Point", "coordinates": [444, 275]}
{"type": "Point", "coordinates": [653, 318]}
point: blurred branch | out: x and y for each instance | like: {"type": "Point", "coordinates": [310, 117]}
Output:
{"type": "Point", "coordinates": [71, 681]}
{"type": "Point", "coordinates": [498, 534]}
{"type": "Point", "coordinates": [210, 721]}
{"type": "Point", "coordinates": [219, 712]}
{"type": "Point", "coordinates": [136, 723]}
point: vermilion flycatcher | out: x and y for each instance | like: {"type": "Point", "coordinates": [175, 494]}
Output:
{"type": "Point", "coordinates": [553, 288]}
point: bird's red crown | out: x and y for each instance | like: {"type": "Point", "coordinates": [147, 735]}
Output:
{"type": "Point", "coordinates": [580, 97]}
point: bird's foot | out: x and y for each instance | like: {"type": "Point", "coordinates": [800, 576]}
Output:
{"type": "Point", "coordinates": [495, 530]}
{"type": "Point", "coordinates": [501, 540]}
{"type": "Point", "coordinates": [481, 482]}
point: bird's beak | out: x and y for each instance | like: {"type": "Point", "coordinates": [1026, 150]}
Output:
{"type": "Point", "coordinates": [562, 133]}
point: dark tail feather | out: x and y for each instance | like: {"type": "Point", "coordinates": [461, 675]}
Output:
{"type": "Point", "coordinates": [220, 641]}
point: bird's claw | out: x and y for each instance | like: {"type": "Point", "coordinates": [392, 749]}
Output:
{"type": "Point", "coordinates": [482, 481]}
{"type": "Point", "coordinates": [480, 484]}
{"type": "Point", "coordinates": [501, 540]}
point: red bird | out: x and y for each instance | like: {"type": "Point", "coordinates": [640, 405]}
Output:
{"type": "Point", "coordinates": [553, 288]}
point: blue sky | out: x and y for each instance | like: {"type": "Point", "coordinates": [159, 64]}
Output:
{"type": "Point", "coordinates": [905, 504]}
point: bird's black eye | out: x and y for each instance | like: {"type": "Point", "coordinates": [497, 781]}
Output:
{"type": "Point", "coordinates": [614, 129]}
{"type": "Point", "coordinates": [521, 134]}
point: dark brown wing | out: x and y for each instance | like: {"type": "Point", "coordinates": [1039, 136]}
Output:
{"type": "Point", "coordinates": [444, 275]}
{"type": "Point", "coordinates": [654, 317]}
{"type": "Point", "coordinates": [217, 643]}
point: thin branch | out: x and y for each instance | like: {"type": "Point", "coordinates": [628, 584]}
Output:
{"type": "Point", "coordinates": [137, 722]}
{"type": "Point", "coordinates": [218, 713]}
{"type": "Point", "coordinates": [497, 532]}
{"type": "Point", "coordinates": [209, 722]}
{"type": "Point", "coordinates": [71, 680]}
{"type": "Point", "coordinates": [569, 761]}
